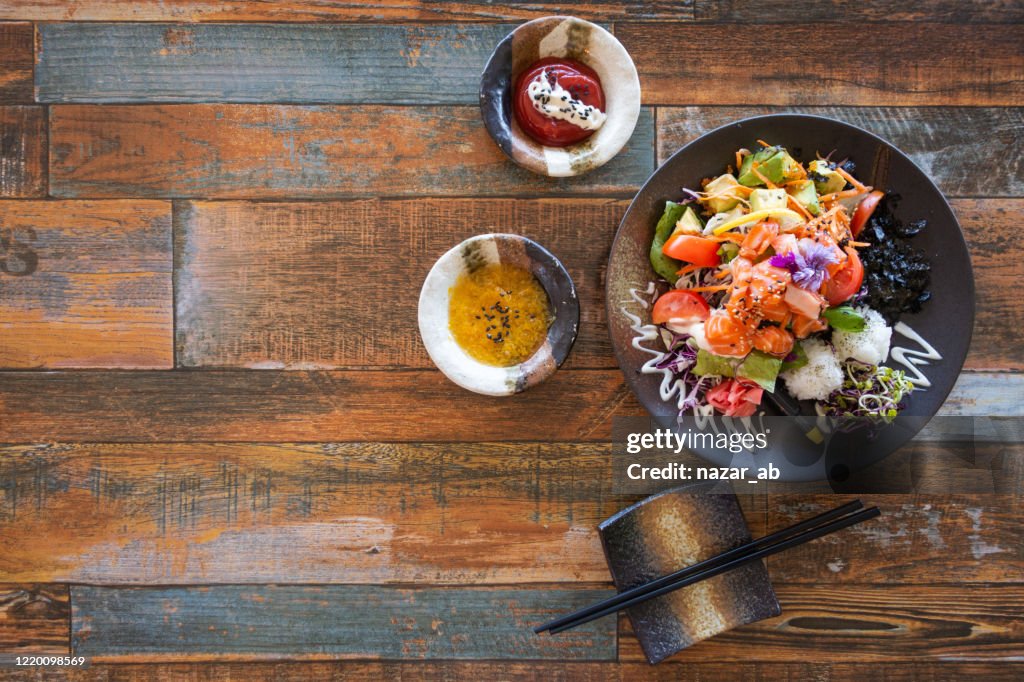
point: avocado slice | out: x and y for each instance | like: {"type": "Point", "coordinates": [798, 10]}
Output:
{"type": "Point", "coordinates": [663, 265]}
{"type": "Point", "coordinates": [723, 217]}
{"type": "Point", "coordinates": [760, 156]}
{"type": "Point", "coordinates": [826, 179]}
{"type": "Point", "coordinates": [806, 195]}
{"type": "Point", "coordinates": [767, 198]}
{"type": "Point", "coordinates": [778, 168]}
{"type": "Point", "coordinates": [689, 223]}
{"type": "Point", "coordinates": [723, 189]}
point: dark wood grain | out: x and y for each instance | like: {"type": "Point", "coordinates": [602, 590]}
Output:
{"type": "Point", "coordinates": [966, 151]}
{"type": "Point", "coordinates": [22, 151]}
{"type": "Point", "coordinates": [917, 539]}
{"type": "Point", "coordinates": [86, 284]}
{"type": "Point", "coordinates": [290, 285]}
{"type": "Point", "coordinates": [239, 151]}
{"type": "Point", "coordinates": [821, 624]}
{"type": "Point", "coordinates": [344, 10]}
{"type": "Point", "coordinates": [333, 621]}
{"type": "Point", "coordinates": [130, 62]}
{"type": "Point", "coordinates": [17, 45]}
{"type": "Point", "coordinates": [278, 285]}
{"type": "Point", "coordinates": [34, 619]}
{"type": "Point", "coordinates": [388, 405]}
{"type": "Point", "coordinates": [323, 513]}
{"type": "Point", "coordinates": [539, 671]}
{"type": "Point", "coordinates": [882, 64]}
{"type": "Point", "coordinates": [767, 11]}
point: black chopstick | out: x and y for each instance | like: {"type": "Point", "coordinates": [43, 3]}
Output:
{"type": "Point", "coordinates": [644, 592]}
{"type": "Point", "coordinates": [703, 565]}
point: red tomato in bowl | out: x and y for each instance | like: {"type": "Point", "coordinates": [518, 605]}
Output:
{"type": "Point", "coordinates": [683, 306]}
{"type": "Point", "coordinates": [864, 210]}
{"type": "Point", "coordinates": [846, 281]}
{"type": "Point", "coordinates": [693, 249]}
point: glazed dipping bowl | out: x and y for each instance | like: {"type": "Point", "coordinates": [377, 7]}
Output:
{"type": "Point", "coordinates": [449, 356]}
{"type": "Point", "coordinates": [561, 37]}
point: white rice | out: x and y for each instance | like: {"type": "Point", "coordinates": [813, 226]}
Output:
{"type": "Point", "coordinates": [870, 345]}
{"type": "Point", "coordinates": [819, 377]}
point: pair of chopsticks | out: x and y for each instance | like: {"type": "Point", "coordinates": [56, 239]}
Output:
{"type": "Point", "coordinates": [797, 534]}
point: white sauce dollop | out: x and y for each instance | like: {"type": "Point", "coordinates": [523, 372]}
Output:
{"type": "Point", "coordinates": [554, 101]}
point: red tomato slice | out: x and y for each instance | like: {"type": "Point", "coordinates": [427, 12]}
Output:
{"type": "Point", "coordinates": [692, 249]}
{"type": "Point", "coordinates": [864, 210]}
{"type": "Point", "coordinates": [847, 281]}
{"type": "Point", "coordinates": [683, 306]}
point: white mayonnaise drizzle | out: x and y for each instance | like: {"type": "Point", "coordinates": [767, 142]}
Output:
{"type": "Point", "coordinates": [670, 386]}
{"type": "Point", "coordinates": [554, 101]}
{"type": "Point", "coordinates": [911, 359]}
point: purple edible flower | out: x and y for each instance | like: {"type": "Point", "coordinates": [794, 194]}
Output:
{"type": "Point", "coordinates": [807, 263]}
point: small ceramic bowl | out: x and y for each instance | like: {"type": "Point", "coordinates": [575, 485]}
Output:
{"type": "Point", "coordinates": [561, 37]}
{"type": "Point", "coordinates": [678, 528]}
{"type": "Point", "coordinates": [458, 365]}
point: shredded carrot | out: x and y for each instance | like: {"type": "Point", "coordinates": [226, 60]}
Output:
{"type": "Point", "coordinates": [737, 237]}
{"type": "Point", "coordinates": [799, 207]}
{"type": "Point", "coordinates": [688, 269]}
{"type": "Point", "coordinates": [722, 273]}
{"type": "Point", "coordinates": [839, 195]}
{"type": "Point", "coordinates": [768, 183]}
{"type": "Point", "coordinates": [852, 180]}
{"type": "Point", "coordinates": [859, 245]}
{"type": "Point", "coordinates": [720, 287]}
{"type": "Point", "coordinates": [763, 143]}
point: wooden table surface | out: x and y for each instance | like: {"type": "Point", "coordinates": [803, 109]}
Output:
{"type": "Point", "coordinates": [226, 454]}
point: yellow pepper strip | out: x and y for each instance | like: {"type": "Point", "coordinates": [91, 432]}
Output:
{"type": "Point", "coordinates": [756, 216]}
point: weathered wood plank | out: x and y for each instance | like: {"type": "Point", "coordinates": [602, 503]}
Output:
{"type": "Point", "coordinates": [882, 11]}
{"type": "Point", "coordinates": [298, 406]}
{"type": "Point", "coordinates": [403, 406]}
{"type": "Point", "coordinates": [17, 48]}
{"type": "Point", "coordinates": [130, 62]}
{"type": "Point", "coordinates": [344, 10]}
{"type": "Point", "coordinates": [314, 406]}
{"type": "Point", "coordinates": [34, 619]}
{"type": "Point", "coordinates": [239, 151]}
{"type": "Point", "coordinates": [870, 623]}
{"type": "Point", "coordinates": [895, 64]}
{"type": "Point", "coordinates": [924, 539]}
{"type": "Point", "coordinates": [333, 621]}
{"type": "Point", "coordinates": [540, 671]}
{"type": "Point", "coordinates": [774, 11]}
{"type": "Point", "coordinates": [235, 259]}
{"type": "Point", "coordinates": [997, 260]}
{"type": "Point", "coordinates": [22, 151]}
{"type": "Point", "coordinates": [955, 146]}
{"type": "Point", "coordinates": [326, 513]}
{"type": "Point", "coordinates": [285, 285]}
{"type": "Point", "coordinates": [86, 284]}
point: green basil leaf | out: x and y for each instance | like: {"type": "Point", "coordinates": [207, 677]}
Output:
{"type": "Point", "coordinates": [845, 319]}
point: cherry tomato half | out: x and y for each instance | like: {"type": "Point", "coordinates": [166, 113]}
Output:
{"type": "Point", "coordinates": [692, 249]}
{"type": "Point", "coordinates": [847, 281]}
{"type": "Point", "coordinates": [683, 306]}
{"type": "Point", "coordinates": [864, 210]}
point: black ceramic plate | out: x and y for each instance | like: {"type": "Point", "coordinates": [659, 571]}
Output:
{"type": "Point", "coordinates": [945, 322]}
